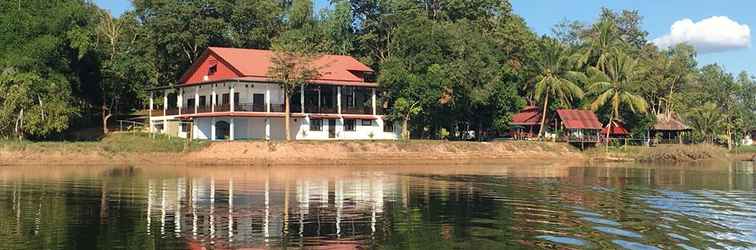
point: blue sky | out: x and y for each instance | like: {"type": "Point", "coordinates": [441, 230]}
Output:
{"type": "Point", "coordinates": [726, 38]}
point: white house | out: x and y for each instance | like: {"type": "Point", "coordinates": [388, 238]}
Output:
{"type": "Point", "coordinates": [227, 95]}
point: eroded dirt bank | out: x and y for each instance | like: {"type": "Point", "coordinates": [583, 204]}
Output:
{"type": "Point", "coordinates": [260, 153]}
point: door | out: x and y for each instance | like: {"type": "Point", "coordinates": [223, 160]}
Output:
{"type": "Point", "coordinates": [331, 128]}
{"type": "Point", "coordinates": [258, 102]}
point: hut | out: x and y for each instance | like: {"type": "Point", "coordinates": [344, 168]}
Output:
{"type": "Point", "coordinates": [618, 130]}
{"type": "Point", "coordinates": [669, 129]}
{"type": "Point", "coordinates": [578, 126]}
{"type": "Point", "coordinates": [527, 123]}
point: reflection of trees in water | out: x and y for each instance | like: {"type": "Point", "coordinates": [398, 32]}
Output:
{"type": "Point", "coordinates": [121, 208]}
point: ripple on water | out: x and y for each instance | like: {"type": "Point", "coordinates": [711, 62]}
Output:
{"type": "Point", "coordinates": [600, 221]}
{"type": "Point", "coordinates": [633, 245]}
{"type": "Point", "coordinates": [617, 231]}
{"type": "Point", "coordinates": [563, 240]}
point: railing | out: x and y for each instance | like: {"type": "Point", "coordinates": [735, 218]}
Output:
{"type": "Point", "coordinates": [156, 112]}
{"type": "Point", "coordinates": [585, 138]}
{"type": "Point", "coordinates": [187, 110]}
{"type": "Point", "coordinates": [125, 126]}
{"type": "Point", "coordinates": [321, 110]}
{"type": "Point", "coordinates": [249, 107]}
{"type": "Point", "coordinates": [222, 108]}
{"type": "Point", "coordinates": [172, 111]}
{"type": "Point", "coordinates": [204, 109]}
{"type": "Point", "coordinates": [279, 108]}
{"type": "Point", "coordinates": [357, 110]}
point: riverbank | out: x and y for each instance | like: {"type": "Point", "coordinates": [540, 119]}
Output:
{"type": "Point", "coordinates": [140, 149]}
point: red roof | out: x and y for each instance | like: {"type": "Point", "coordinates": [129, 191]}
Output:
{"type": "Point", "coordinates": [529, 115]}
{"type": "Point", "coordinates": [254, 64]}
{"type": "Point", "coordinates": [579, 119]}
{"type": "Point", "coordinates": [618, 128]}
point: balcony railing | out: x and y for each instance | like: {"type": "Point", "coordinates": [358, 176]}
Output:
{"type": "Point", "coordinates": [249, 107]}
{"type": "Point", "coordinates": [357, 110]}
{"type": "Point", "coordinates": [187, 110]}
{"type": "Point", "coordinates": [172, 111]}
{"type": "Point", "coordinates": [279, 108]}
{"type": "Point", "coordinates": [222, 108]}
{"type": "Point", "coordinates": [204, 109]}
{"type": "Point", "coordinates": [321, 110]}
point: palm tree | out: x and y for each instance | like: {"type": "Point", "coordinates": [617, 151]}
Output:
{"type": "Point", "coordinates": [599, 45]}
{"type": "Point", "coordinates": [613, 86]}
{"type": "Point", "coordinates": [556, 78]}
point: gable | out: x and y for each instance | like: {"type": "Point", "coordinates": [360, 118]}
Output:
{"type": "Point", "coordinates": [201, 70]}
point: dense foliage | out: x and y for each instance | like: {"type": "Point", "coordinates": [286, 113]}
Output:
{"type": "Point", "coordinates": [445, 66]}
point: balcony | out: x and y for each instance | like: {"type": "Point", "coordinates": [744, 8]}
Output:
{"type": "Point", "coordinates": [278, 108]}
{"type": "Point", "coordinates": [357, 110]}
{"type": "Point", "coordinates": [187, 110]}
{"type": "Point", "coordinates": [321, 110]}
{"type": "Point", "coordinates": [222, 108]}
{"type": "Point", "coordinates": [172, 111]}
{"type": "Point", "coordinates": [249, 107]}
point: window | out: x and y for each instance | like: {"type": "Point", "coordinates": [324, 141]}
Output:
{"type": "Point", "coordinates": [203, 101]}
{"type": "Point", "coordinates": [349, 125]}
{"type": "Point", "coordinates": [184, 127]}
{"type": "Point", "coordinates": [190, 103]}
{"type": "Point", "coordinates": [367, 123]}
{"type": "Point", "coordinates": [226, 99]}
{"type": "Point", "coordinates": [212, 69]}
{"type": "Point", "coordinates": [316, 125]}
{"type": "Point", "coordinates": [388, 126]}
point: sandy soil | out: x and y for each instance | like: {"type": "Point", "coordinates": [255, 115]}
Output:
{"type": "Point", "coordinates": [259, 153]}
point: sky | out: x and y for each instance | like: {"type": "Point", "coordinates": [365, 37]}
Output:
{"type": "Point", "coordinates": [720, 30]}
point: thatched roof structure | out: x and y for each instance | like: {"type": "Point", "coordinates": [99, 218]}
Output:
{"type": "Point", "coordinates": [669, 122]}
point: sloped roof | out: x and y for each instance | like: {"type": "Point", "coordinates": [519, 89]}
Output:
{"type": "Point", "coordinates": [671, 122]}
{"type": "Point", "coordinates": [579, 119]}
{"type": "Point", "coordinates": [618, 128]}
{"type": "Point", "coordinates": [254, 64]}
{"type": "Point", "coordinates": [529, 115]}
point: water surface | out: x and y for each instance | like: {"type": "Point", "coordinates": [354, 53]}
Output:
{"type": "Point", "coordinates": [434, 207]}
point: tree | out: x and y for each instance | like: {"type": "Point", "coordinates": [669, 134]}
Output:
{"type": "Point", "coordinates": [292, 69]}
{"type": "Point", "coordinates": [33, 105]}
{"type": "Point", "coordinates": [614, 87]}
{"type": "Point", "coordinates": [556, 79]}
{"type": "Point", "coordinates": [598, 45]}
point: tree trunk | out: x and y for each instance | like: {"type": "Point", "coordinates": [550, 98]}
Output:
{"type": "Point", "coordinates": [287, 126]}
{"type": "Point", "coordinates": [543, 117]}
{"type": "Point", "coordinates": [405, 128]}
{"type": "Point", "coordinates": [105, 117]}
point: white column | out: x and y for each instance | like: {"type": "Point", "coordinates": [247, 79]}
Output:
{"type": "Point", "coordinates": [165, 101]}
{"type": "Point", "coordinates": [374, 103]}
{"type": "Point", "coordinates": [338, 99]}
{"type": "Point", "coordinates": [212, 129]}
{"type": "Point", "coordinates": [267, 100]}
{"type": "Point", "coordinates": [231, 129]}
{"type": "Point", "coordinates": [180, 100]}
{"type": "Point", "coordinates": [267, 128]}
{"type": "Point", "coordinates": [213, 101]}
{"type": "Point", "coordinates": [302, 98]}
{"type": "Point", "coordinates": [150, 114]}
{"type": "Point", "coordinates": [233, 103]}
{"type": "Point", "coordinates": [196, 99]}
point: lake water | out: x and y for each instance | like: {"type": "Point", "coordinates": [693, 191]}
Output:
{"type": "Point", "coordinates": [433, 207]}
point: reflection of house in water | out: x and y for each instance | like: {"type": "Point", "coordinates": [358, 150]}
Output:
{"type": "Point", "coordinates": [240, 213]}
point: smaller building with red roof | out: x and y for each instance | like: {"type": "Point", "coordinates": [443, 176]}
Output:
{"type": "Point", "coordinates": [527, 123]}
{"type": "Point", "coordinates": [578, 125]}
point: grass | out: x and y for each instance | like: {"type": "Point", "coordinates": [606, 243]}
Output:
{"type": "Point", "coordinates": [745, 149]}
{"type": "Point", "coordinates": [113, 143]}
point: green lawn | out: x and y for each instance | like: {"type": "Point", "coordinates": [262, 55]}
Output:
{"type": "Point", "coordinates": [113, 143]}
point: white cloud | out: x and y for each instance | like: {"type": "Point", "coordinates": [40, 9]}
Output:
{"type": "Point", "coordinates": [713, 34]}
